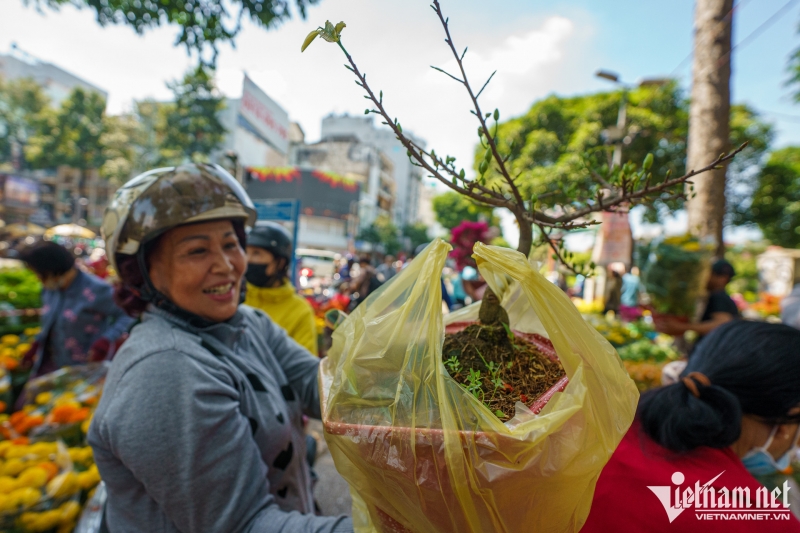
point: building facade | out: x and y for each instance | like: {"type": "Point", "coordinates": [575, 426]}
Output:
{"type": "Point", "coordinates": [49, 197]}
{"type": "Point", "coordinates": [361, 162]}
{"type": "Point", "coordinates": [56, 82]}
{"type": "Point", "coordinates": [407, 177]}
{"type": "Point", "coordinates": [258, 130]}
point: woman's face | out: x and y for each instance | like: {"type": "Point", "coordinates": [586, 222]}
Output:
{"type": "Point", "coordinates": [785, 439]}
{"type": "Point", "coordinates": [260, 256]}
{"type": "Point", "coordinates": [199, 268]}
{"type": "Point", "coordinates": [755, 433]}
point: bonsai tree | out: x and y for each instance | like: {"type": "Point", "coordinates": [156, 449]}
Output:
{"type": "Point", "coordinates": [615, 188]}
{"type": "Point", "coordinates": [491, 361]}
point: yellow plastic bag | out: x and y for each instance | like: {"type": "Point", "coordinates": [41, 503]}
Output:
{"type": "Point", "coordinates": [422, 455]}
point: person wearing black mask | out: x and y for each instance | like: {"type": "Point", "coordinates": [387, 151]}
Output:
{"type": "Point", "coordinates": [269, 255]}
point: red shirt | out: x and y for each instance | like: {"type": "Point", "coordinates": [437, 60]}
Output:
{"type": "Point", "coordinates": [624, 503]}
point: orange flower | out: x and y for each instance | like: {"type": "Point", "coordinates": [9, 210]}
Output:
{"type": "Point", "coordinates": [91, 400]}
{"type": "Point", "coordinates": [21, 441]}
{"type": "Point", "coordinates": [79, 416]}
{"type": "Point", "coordinates": [3, 406]}
{"type": "Point", "coordinates": [17, 417]}
{"type": "Point", "coordinates": [9, 363]}
{"type": "Point", "coordinates": [62, 414]}
{"type": "Point", "coordinates": [49, 467]}
{"type": "Point", "coordinates": [30, 423]}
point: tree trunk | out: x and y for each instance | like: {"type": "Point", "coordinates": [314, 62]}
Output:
{"type": "Point", "coordinates": [525, 234]}
{"type": "Point", "coordinates": [709, 116]}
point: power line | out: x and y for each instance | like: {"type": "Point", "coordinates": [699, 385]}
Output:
{"type": "Point", "coordinates": [726, 20]}
{"type": "Point", "coordinates": [744, 42]}
{"type": "Point", "coordinates": [758, 31]}
{"type": "Point", "coordinates": [784, 116]}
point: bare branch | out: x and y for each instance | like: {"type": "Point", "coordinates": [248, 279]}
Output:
{"type": "Point", "coordinates": [508, 196]}
{"type": "Point", "coordinates": [479, 113]}
{"type": "Point", "coordinates": [644, 192]}
{"type": "Point", "coordinates": [485, 84]}
{"type": "Point", "coordinates": [459, 80]}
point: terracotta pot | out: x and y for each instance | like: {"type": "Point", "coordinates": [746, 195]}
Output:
{"type": "Point", "coordinates": [412, 460]}
{"type": "Point", "coordinates": [660, 319]}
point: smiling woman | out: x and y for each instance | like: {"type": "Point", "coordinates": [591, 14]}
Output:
{"type": "Point", "coordinates": [200, 267]}
{"type": "Point", "coordinates": [200, 427]}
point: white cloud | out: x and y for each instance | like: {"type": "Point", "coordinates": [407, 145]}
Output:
{"type": "Point", "coordinates": [394, 42]}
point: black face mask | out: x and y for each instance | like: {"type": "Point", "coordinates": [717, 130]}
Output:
{"type": "Point", "coordinates": [257, 275]}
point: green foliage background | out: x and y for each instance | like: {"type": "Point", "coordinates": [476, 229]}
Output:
{"type": "Point", "coordinates": [554, 144]}
{"type": "Point", "coordinates": [452, 209]}
{"type": "Point", "coordinates": [775, 206]}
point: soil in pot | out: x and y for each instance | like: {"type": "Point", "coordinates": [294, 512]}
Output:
{"type": "Point", "coordinates": [496, 366]}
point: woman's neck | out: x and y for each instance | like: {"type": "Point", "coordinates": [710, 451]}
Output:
{"type": "Point", "coordinates": [68, 277]}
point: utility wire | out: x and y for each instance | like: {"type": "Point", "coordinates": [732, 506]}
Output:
{"type": "Point", "coordinates": [725, 21]}
{"type": "Point", "coordinates": [758, 31]}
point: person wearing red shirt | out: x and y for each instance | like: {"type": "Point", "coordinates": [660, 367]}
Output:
{"type": "Point", "coordinates": [687, 462]}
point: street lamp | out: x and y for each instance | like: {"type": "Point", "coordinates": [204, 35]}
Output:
{"type": "Point", "coordinates": [615, 134]}
{"type": "Point", "coordinates": [605, 74]}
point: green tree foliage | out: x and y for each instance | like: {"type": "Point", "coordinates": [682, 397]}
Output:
{"type": "Point", "coordinates": [80, 135]}
{"type": "Point", "coordinates": [742, 175]}
{"type": "Point", "coordinates": [70, 135]}
{"type": "Point", "coordinates": [189, 127]}
{"type": "Point", "coordinates": [775, 206]}
{"type": "Point", "coordinates": [452, 209]}
{"type": "Point", "coordinates": [23, 107]}
{"type": "Point", "coordinates": [554, 144]}
{"type": "Point", "coordinates": [384, 233]}
{"type": "Point", "coordinates": [203, 24]}
{"type": "Point", "coordinates": [417, 234]}
{"type": "Point", "coordinates": [152, 118]}
{"type": "Point", "coordinates": [121, 141]}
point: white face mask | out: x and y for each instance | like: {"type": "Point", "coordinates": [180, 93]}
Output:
{"type": "Point", "coordinates": [760, 462]}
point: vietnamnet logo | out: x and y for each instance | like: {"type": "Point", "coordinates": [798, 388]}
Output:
{"type": "Point", "coordinates": [709, 503]}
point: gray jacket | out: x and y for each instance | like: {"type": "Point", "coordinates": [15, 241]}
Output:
{"type": "Point", "coordinates": [200, 430]}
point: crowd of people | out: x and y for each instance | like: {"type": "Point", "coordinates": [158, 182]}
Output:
{"type": "Point", "coordinates": [201, 424]}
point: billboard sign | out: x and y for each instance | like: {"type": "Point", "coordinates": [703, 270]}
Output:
{"type": "Point", "coordinates": [322, 194]}
{"type": "Point", "coordinates": [263, 117]}
{"type": "Point", "coordinates": [21, 192]}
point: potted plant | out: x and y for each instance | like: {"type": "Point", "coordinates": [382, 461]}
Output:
{"type": "Point", "coordinates": [405, 406]}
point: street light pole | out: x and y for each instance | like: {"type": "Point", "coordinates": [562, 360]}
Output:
{"type": "Point", "coordinates": [616, 134]}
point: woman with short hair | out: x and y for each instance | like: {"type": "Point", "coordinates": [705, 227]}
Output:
{"type": "Point", "coordinates": [80, 321]}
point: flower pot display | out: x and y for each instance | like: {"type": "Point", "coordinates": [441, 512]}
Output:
{"type": "Point", "coordinates": [423, 452]}
{"type": "Point", "coordinates": [675, 274]}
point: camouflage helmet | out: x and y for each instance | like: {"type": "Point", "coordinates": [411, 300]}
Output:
{"type": "Point", "coordinates": [161, 199]}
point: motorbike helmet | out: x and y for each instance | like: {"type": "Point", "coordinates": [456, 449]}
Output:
{"type": "Point", "coordinates": [272, 237]}
{"type": "Point", "coordinates": [154, 202]}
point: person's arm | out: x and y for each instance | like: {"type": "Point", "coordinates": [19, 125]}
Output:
{"type": "Point", "coordinates": [673, 327]}
{"type": "Point", "coordinates": [300, 367]}
{"type": "Point", "coordinates": [105, 306]}
{"type": "Point", "coordinates": [176, 424]}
